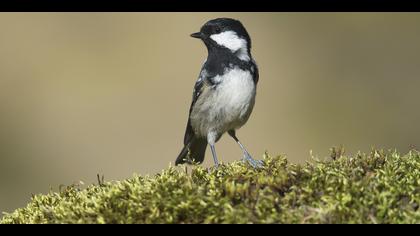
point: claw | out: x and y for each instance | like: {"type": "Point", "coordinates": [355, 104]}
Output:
{"type": "Point", "coordinates": [254, 163]}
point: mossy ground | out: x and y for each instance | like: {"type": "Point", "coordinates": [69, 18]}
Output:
{"type": "Point", "coordinates": [379, 187]}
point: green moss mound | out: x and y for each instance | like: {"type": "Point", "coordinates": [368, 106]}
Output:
{"type": "Point", "coordinates": [380, 187]}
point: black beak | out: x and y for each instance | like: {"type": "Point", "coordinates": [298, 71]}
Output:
{"type": "Point", "coordinates": [198, 35]}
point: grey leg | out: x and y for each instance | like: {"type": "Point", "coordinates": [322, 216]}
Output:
{"type": "Point", "coordinates": [247, 157]}
{"type": "Point", "coordinates": [213, 152]}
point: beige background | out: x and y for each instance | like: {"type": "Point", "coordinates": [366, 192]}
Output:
{"type": "Point", "coordinates": [88, 93]}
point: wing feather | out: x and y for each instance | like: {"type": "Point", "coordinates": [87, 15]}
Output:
{"type": "Point", "coordinates": [198, 88]}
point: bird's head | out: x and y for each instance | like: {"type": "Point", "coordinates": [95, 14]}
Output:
{"type": "Point", "coordinates": [226, 34]}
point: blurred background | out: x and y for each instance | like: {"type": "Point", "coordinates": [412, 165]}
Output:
{"type": "Point", "coordinates": [109, 93]}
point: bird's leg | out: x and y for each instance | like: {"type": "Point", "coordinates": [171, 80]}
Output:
{"type": "Point", "coordinates": [211, 140]}
{"type": "Point", "coordinates": [247, 157]}
{"type": "Point", "coordinates": [213, 152]}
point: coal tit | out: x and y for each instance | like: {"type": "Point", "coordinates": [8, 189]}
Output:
{"type": "Point", "coordinates": [224, 94]}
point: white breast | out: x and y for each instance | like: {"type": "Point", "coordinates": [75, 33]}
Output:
{"type": "Point", "coordinates": [235, 91]}
{"type": "Point", "coordinates": [226, 106]}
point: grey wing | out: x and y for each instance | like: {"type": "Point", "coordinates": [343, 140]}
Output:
{"type": "Point", "coordinates": [198, 88]}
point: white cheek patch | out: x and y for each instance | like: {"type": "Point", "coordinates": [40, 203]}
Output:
{"type": "Point", "coordinates": [230, 40]}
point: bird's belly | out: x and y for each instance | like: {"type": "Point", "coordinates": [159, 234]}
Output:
{"type": "Point", "coordinates": [225, 106]}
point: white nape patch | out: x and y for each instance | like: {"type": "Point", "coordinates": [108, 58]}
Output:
{"type": "Point", "coordinates": [230, 40]}
{"type": "Point", "coordinates": [242, 54]}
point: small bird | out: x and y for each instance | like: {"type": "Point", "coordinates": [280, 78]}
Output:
{"type": "Point", "coordinates": [224, 94]}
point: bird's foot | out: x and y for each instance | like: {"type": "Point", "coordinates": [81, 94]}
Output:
{"type": "Point", "coordinates": [254, 163]}
{"type": "Point", "coordinates": [215, 167]}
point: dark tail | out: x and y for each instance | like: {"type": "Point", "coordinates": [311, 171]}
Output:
{"type": "Point", "coordinates": [197, 150]}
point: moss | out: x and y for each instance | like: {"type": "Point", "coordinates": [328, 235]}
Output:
{"type": "Point", "coordinates": [379, 187]}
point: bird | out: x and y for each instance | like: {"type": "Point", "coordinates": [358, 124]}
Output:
{"type": "Point", "coordinates": [224, 93]}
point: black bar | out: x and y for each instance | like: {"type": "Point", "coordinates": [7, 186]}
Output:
{"type": "Point", "coordinates": [210, 5]}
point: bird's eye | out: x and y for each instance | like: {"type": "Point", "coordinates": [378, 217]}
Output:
{"type": "Point", "coordinates": [217, 30]}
